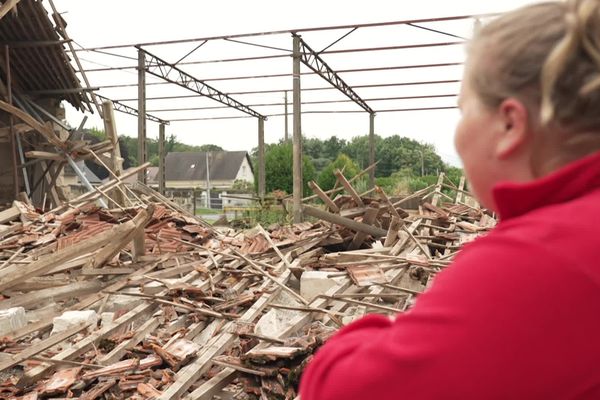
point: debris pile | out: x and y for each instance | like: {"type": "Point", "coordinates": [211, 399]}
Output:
{"type": "Point", "coordinates": [148, 301]}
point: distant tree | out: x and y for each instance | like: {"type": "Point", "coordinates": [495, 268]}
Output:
{"type": "Point", "coordinates": [454, 174]}
{"type": "Point", "coordinates": [210, 147]}
{"type": "Point", "coordinates": [154, 160]}
{"type": "Point", "coordinates": [327, 178]}
{"type": "Point", "coordinates": [358, 150]}
{"type": "Point", "coordinates": [333, 147]}
{"type": "Point", "coordinates": [278, 168]}
{"type": "Point", "coordinates": [312, 147]}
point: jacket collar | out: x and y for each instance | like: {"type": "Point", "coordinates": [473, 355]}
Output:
{"type": "Point", "coordinates": [572, 181]}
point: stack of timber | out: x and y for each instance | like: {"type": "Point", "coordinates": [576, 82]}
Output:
{"type": "Point", "coordinates": [144, 301]}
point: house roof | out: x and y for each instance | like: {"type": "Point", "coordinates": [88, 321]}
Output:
{"type": "Point", "coordinates": [40, 64]}
{"type": "Point", "coordinates": [191, 166]}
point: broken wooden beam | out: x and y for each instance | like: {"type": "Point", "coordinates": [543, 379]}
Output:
{"type": "Point", "coordinates": [348, 223]}
{"type": "Point", "coordinates": [41, 346]}
{"type": "Point", "coordinates": [323, 196]}
{"type": "Point", "coordinates": [349, 188]}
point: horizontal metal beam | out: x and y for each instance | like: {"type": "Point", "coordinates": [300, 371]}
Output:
{"type": "Point", "coordinates": [314, 61]}
{"type": "Point", "coordinates": [353, 70]}
{"type": "Point", "coordinates": [319, 112]}
{"type": "Point", "coordinates": [282, 32]}
{"type": "Point", "coordinates": [431, 96]}
{"type": "Point", "coordinates": [374, 85]}
{"type": "Point", "coordinates": [341, 51]}
{"type": "Point", "coordinates": [124, 108]}
{"type": "Point", "coordinates": [170, 73]}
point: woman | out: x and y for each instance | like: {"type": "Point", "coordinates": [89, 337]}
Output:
{"type": "Point", "coordinates": [517, 315]}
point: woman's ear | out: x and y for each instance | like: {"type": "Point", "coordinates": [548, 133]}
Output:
{"type": "Point", "coordinates": [514, 127]}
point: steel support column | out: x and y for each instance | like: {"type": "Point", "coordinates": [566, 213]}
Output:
{"type": "Point", "coordinates": [372, 149]}
{"type": "Point", "coordinates": [141, 154]}
{"type": "Point", "coordinates": [161, 159]}
{"type": "Point", "coordinates": [297, 135]}
{"type": "Point", "coordinates": [261, 159]}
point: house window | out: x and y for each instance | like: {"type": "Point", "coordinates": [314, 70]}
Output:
{"type": "Point", "coordinates": [193, 166]}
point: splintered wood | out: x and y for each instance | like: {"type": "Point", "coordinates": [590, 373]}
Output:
{"type": "Point", "coordinates": [148, 302]}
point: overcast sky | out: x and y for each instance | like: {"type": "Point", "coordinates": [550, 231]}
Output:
{"type": "Point", "coordinates": [98, 23]}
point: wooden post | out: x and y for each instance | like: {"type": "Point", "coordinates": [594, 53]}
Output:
{"type": "Point", "coordinates": [372, 149]}
{"type": "Point", "coordinates": [261, 159]}
{"type": "Point", "coordinates": [161, 159]}
{"type": "Point", "coordinates": [286, 136]}
{"type": "Point", "coordinates": [461, 188]}
{"type": "Point", "coordinates": [141, 155]}
{"type": "Point", "coordinates": [110, 129]}
{"type": "Point", "coordinates": [13, 139]}
{"type": "Point", "coordinates": [297, 138]}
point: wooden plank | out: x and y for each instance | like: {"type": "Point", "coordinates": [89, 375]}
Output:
{"type": "Point", "coordinates": [208, 389]}
{"type": "Point", "coordinates": [214, 385]}
{"type": "Point", "coordinates": [44, 130]}
{"type": "Point", "coordinates": [273, 246]}
{"type": "Point", "coordinates": [40, 347]}
{"type": "Point", "coordinates": [188, 375]}
{"type": "Point", "coordinates": [51, 294]}
{"type": "Point", "coordinates": [11, 276]}
{"type": "Point", "coordinates": [148, 191]}
{"type": "Point", "coordinates": [368, 219]}
{"type": "Point", "coordinates": [44, 155]}
{"type": "Point", "coordinates": [9, 214]}
{"type": "Point", "coordinates": [90, 196]}
{"type": "Point", "coordinates": [349, 223]}
{"type": "Point", "coordinates": [349, 188]}
{"type": "Point", "coordinates": [392, 235]}
{"type": "Point", "coordinates": [328, 202]}
{"type": "Point", "coordinates": [35, 374]}
{"type": "Point", "coordinates": [139, 244]}
{"type": "Point", "coordinates": [117, 353]}
{"type": "Point", "coordinates": [115, 161]}
{"type": "Point", "coordinates": [7, 6]}
{"type": "Point", "coordinates": [87, 302]}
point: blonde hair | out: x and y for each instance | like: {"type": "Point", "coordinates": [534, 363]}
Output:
{"type": "Point", "coordinates": [548, 56]}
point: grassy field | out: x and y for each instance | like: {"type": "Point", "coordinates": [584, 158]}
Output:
{"type": "Point", "coordinates": [205, 211]}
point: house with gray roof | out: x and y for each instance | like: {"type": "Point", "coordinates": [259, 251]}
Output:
{"type": "Point", "coordinates": [189, 169]}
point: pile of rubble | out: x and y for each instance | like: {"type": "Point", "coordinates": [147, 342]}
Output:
{"type": "Point", "coordinates": [150, 302]}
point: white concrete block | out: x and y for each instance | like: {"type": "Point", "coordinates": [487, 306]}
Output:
{"type": "Point", "coordinates": [314, 283]}
{"type": "Point", "coordinates": [106, 318]}
{"type": "Point", "coordinates": [72, 318]}
{"type": "Point", "coordinates": [277, 320]}
{"type": "Point", "coordinates": [120, 302]}
{"type": "Point", "coordinates": [11, 320]}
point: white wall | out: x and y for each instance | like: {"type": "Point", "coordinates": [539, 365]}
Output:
{"type": "Point", "coordinates": [245, 172]}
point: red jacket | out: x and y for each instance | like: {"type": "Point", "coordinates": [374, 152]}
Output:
{"type": "Point", "coordinates": [517, 315]}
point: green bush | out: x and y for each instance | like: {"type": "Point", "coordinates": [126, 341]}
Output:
{"type": "Point", "coordinates": [344, 163]}
{"type": "Point", "coordinates": [278, 169]}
